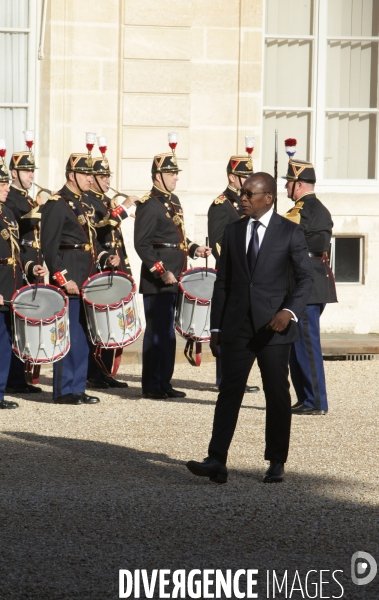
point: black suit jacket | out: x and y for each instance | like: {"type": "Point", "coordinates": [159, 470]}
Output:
{"type": "Point", "coordinates": [268, 290]}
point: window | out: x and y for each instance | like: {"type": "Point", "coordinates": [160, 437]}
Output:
{"type": "Point", "coordinates": [347, 259]}
{"type": "Point", "coordinates": [321, 86]}
{"type": "Point", "coordinates": [18, 56]}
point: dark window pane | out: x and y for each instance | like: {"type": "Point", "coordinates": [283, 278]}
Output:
{"type": "Point", "coordinates": [347, 258]}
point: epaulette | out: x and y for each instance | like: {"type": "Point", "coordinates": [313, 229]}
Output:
{"type": "Point", "coordinates": [55, 197]}
{"type": "Point", "coordinates": [220, 199]}
{"type": "Point", "coordinates": [294, 214]}
{"type": "Point", "coordinates": [144, 198]}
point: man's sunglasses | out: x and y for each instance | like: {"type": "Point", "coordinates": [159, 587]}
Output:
{"type": "Point", "coordinates": [250, 194]}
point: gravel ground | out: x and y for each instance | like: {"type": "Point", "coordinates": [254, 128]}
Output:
{"type": "Point", "coordinates": [89, 490]}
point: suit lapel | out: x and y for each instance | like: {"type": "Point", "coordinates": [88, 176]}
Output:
{"type": "Point", "coordinates": [240, 233]}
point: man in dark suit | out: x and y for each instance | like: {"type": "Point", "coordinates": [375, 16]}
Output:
{"type": "Point", "coordinates": [306, 360]}
{"type": "Point", "coordinates": [253, 316]}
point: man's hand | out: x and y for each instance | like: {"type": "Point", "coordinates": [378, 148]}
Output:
{"type": "Point", "coordinates": [113, 260]}
{"type": "Point", "coordinates": [280, 321]}
{"type": "Point", "coordinates": [130, 201]}
{"type": "Point", "coordinates": [39, 271]}
{"type": "Point", "coordinates": [215, 343]}
{"type": "Point", "coordinates": [71, 287]}
{"type": "Point", "coordinates": [168, 278]}
{"type": "Point", "coordinates": [203, 251]}
{"type": "Point", "coordinates": [1, 300]}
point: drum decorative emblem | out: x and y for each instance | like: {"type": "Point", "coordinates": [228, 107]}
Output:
{"type": "Point", "coordinates": [61, 333]}
{"type": "Point", "coordinates": [127, 320]}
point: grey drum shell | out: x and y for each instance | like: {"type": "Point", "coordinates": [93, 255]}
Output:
{"type": "Point", "coordinates": [111, 309]}
{"type": "Point", "coordinates": [41, 329]}
{"type": "Point", "coordinates": [193, 304]}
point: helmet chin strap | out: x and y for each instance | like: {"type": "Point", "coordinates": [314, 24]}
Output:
{"type": "Point", "coordinates": [20, 182]}
{"type": "Point", "coordinates": [293, 191]}
{"type": "Point", "coordinates": [165, 187]}
{"type": "Point", "coordinates": [98, 184]}
{"type": "Point", "coordinates": [77, 185]}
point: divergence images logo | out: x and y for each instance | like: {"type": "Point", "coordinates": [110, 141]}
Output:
{"type": "Point", "coordinates": [363, 568]}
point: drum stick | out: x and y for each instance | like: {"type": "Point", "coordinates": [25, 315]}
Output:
{"type": "Point", "coordinates": [21, 303]}
{"type": "Point", "coordinates": [35, 290]}
{"type": "Point", "coordinates": [206, 258]}
{"type": "Point", "coordinates": [111, 281]}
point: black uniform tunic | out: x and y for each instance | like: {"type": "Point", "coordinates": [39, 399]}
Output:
{"type": "Point", "coordinates": [225, 209]}
{"type": "Point", "coordinates": [11, 268]}
{"type": "Point", "coordinates": [64, 223]}
{"type": "Point", "coordinates": [108, 222]}
{"type": "Point", "coordinates": [158, 220]}
{"type": "Point", "coordinates": [29, 230]}
{"type": "Point", "coordinates": [317, 224]}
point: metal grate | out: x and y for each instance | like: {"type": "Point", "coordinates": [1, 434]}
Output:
{"type": "Point", "coordinates": [362, 356]}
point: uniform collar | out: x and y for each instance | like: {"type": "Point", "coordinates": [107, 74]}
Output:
{"type": "Point", "coordinates": [160, 192]}
{"type": "Point", "coordinates": [72, 193]}
{"type": "Point", "coordinates": [312, 193]}
{"type": "Point", "coordinates": [19, 190]}
{"type": "Point", "coordinates": [97, 194]}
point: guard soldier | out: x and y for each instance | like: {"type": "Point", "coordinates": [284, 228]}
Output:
{"type": "Point", "coordinates": [108, 218]}
{"type": "Point", "coordinates": [225, 209]}
{"type": "Point", "coordinates": [72, 253]}
{"type": "Point", "coordinates": [306, 361]}
{"type": "Point", "coordinates": [27, 214]}
{"type": "Point", "coordinates": [162, 245]}
{"type": "Point", "coordinates": [12, 271]}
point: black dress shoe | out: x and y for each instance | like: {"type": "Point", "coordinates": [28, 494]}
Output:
{"type": "Point", "coordinates": [97, 384]}
{"type": "Point", "coordinates": [210, 467]}
{"type": "Point", "coordinates": [155, 395]}
{"type": "Point", "coordinates": [8, 404]}
{"type": "Point", "coordinates": [275, 472]}
{"type": "Point", "coordinates": [251, 388]}
{"type": "Point", "coordinates": [68, 399]}
{"type": "Point", "coordinates": [86, 399]}
{"type": "Point", "coordinates": [23, 389]}
{"type": "Point", "coordinates": [175, 394]}
{"type": "Point", "coordinates": [113, 383]}
{"type": "Point", "coordinates": [307, 410]}
{"type": "Point", "coordinates": [298, 403]}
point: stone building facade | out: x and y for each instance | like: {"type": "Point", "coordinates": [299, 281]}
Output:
{"type": "Point", "coordinates": [214, 71]}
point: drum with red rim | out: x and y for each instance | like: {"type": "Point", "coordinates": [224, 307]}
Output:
{"type": "Point", "coordinates": [111, 309]}
{"type": "Point", "coordinates": [40, 333]}
{"type": "Point", "coordinates": [193, 304]}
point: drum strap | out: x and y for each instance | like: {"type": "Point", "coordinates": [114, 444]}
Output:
{"type": "Point", "coordinates": [82, 218]}
{"type": "Point", "coordinates": [9, 233]}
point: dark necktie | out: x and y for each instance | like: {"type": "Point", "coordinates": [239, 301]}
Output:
{"type": "Point", "coordinates": [253, 247]}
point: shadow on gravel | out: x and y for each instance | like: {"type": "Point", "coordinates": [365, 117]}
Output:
{"type": "Point", "coordinates": [76, 511]}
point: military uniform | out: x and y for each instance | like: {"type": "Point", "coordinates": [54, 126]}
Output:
{"type": "Point", "coordinates": [28, 216]}
{"type": "Point", "coordinates": [226, 209]}
{"type": "Point", "coordinates": [72, 253]}
{"type": "Point", "coordinates": [107, 219]}
{"type": "Point", "coordinates": [12, 274]}
{"type": "Point", "coordinates": [306, 362]}
{"type": "Point", "coordinates": [162, 245]}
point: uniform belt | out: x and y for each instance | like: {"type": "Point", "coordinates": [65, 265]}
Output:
{"type": "Point", "coordinates": [318, 254]}
{"type": "Point", "coordinates": [114, 244]}
{"type": "Point", "coordinates": [180, 246]}
{"type": "Point", "coordinates": [84, 247]}
{"type": "Point", "coordinates": [30, 243]}
{"type": "Point", "coordinates": [7, 261]}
